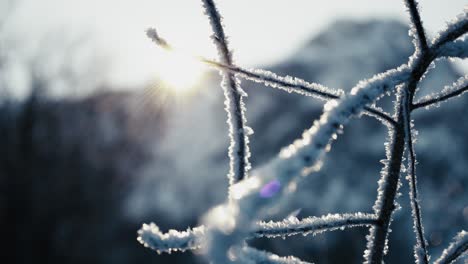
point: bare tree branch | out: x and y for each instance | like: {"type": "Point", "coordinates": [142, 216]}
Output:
{"type": "Point", "coordinates": [420, 249]}
{"type": "Point", "coordinates": [455, 49]}
{"type": "Point", "coordinates": [296, 85]}
{"type": "Point", "coordinates": [458, 248]}
{"type": "Point", "coordinates": [417, 27]}
{"type": "Point", "coordinates": [252, 197]}
{"type": "Point", "coordinates": [239, 149]}
{"type": "Point", "coordinates": [150, 235]}
{"type": "Point", "coordinates": [456, 89]}
{"type": "Point", "coordinates": [313, 225]}
{"type": "Point", "coordinates": [453, 30]}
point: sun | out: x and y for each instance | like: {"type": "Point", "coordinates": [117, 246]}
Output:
{"type": "Point", "coordinates": [180, 72]}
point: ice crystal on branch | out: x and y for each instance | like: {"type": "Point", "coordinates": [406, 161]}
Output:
{"type": "Point", "coordinates": [313, 225]}
{"type": "Point", "coordinates": [150, 236]}
{"type": "Point", "coordinates": [239, 146]}
{"type": "Point", "coordinates": [456, 49]}
{"type": "Point", "coordinates": [456, 89]}
{"type": "Point", "coordinates": [457, 249]}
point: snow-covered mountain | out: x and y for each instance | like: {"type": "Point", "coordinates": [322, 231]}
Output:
{"type": "Point", "coordinates": [190, 174]}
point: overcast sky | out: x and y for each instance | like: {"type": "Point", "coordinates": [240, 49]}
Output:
{"type": "Point", "coordinates": [261, 31]}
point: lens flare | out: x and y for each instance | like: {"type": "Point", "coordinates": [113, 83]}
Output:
{"type": "Point", "coordinates": [180, 72]}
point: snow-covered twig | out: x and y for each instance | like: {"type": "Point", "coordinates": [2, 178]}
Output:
{"type": "Point", "coordinates": [150, 236]}
{"type": "Point", "coordinates": [420, 248]}
{"type": "Point", "coordinates": [152, 34]}
{"type": "Point", "coordinates": [455, 49]}
{"type": "Point", "coordinates": [453, 30]}
{"type": "Point", "coordinates": [296, 85]}
{"type": "Point", "coordinates": [231, 223]}
{"type": "Point", "coordinates": [456, 89]}
{"type": "Point", "coordinates": [269, 182]}
{"type": "Point", "coordinates": [313, 225]}
{"type": "Point", "coordinates": [238, 132]}
{"type": "Point", "coordinates": [417, 29]}
{"type": "Point", "coordinates": [388, 186]}
{"type": "Point", "coordinates": [287, 83]}
{"type": "Point", "coordinates": [458, 248]}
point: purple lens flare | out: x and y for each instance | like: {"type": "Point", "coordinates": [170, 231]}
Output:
{"type": "Point", "coordinates": [270, 189]}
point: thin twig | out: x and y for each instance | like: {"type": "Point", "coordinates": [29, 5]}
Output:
{"type": "Point", "coordinates": [420, 35]}
{"type": "Point", "coordinates": [441, 98]}
{"type": "Point", "coordinates": [420, 247]}
{"type": "Point", "coordinates": [456, 249]}
{"type": "Point", "coordinates": [272, 79]}
{"type": "Point", "coordinates": [455, 49]}
{"type": "Point", "coordinates": [239, 149]}
{"type": "Point", "coordinates": [193, 238]}
{"type": "Point", "coordinates": [313, 225]}
{"type": "Point", "coordinates": [296, 85]}
{"type": "Point", "coordinates": [453, 30]}
{"type": "Point", "coordinates": [388, 187]}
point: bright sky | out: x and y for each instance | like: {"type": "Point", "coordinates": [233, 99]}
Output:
{"type": "Point", "coordinates": [261, 31]}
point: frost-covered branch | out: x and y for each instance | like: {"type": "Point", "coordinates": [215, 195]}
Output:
{"type": "Point", "coordinates": [269, 182]}
{"type": "Point", "coordinates": [420, 248]}
{"type": "Point", "coordinates": [454, 29]}
{"type": "Point", "coordinates": [456, 89]}
{"type": "Point", "coordinates": [458, 248]}
{"type": "Point", "coordinates": [150, 236]}
{"type": "Point", "coordinates": [249, 255]}
{"type": "Point", "coordinates": [455, 49]}
{"type": "Point", "coordinates": [239, 147]}
{"type": "Point", "coordinates": [384, 206]}
{"type": "Point", "coordinates": [388, 186]}
{"type": "Point", "coordinates": [287, 83]}
{"type": "Point", "coordinates": [389, 183]}
{"type": "Point", "coordinates": [228, 225]}
{"type": "Point", "coordinates": [296, 85]}
{"type": "Point", "coordinates": [313, 225]}
{"type": "Point", "coordinates": [417, 29]}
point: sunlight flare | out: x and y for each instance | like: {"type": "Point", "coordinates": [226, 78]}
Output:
{"type": "Point", "coordinates": [180, 72]}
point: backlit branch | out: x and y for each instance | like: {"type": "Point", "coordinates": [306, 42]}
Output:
{"type": "Point", "coordinates": [420, 248]}
{"type": "Point", "coordinates": [151, 236]}
{"type": "Point", "coordinates": [384, 206]}
{"type": "Point", "coordinates": [458, 248]}
{"type": "Point", "coordinates": [455, 49]}
{"type": "Point", "coordinates": [228, 225]}
{"type": "Point", "coordinates": [239, 146]}
{"type": "Point", "coordinates": [456, 89]}
{"type": "Point", "coordinates": [416, 25]}
{"type": "Point", "coordinates": [297, 85]}
{"type": "Point", "coordinates": [313, 225]}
